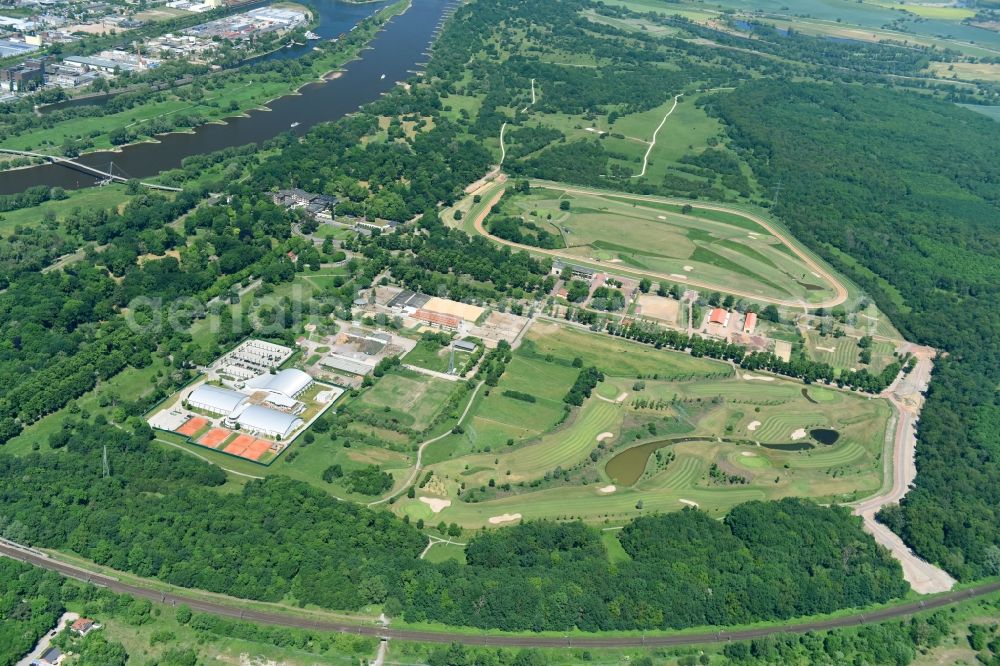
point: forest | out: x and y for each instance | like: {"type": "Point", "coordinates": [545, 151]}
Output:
{"type": "Point", "coordinates": [902, 193]}
{"type": "Point", "coordinates": [30, 604]}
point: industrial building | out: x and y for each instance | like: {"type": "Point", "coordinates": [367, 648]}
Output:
{"type": "Point", "coordinates": [9, 48]}
{"type": "Point", "coordinates": [111, 62]}
{"type": "Point", "coordinates": [23, 77]}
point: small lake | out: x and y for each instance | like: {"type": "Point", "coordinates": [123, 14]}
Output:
{"type": "Point", "coordinates": [627, 467]}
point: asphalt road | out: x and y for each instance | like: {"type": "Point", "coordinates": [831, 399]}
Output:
{"type": "Point", "coordinates": [592, 641]}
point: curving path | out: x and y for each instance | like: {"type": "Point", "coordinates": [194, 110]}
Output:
{"type": "Point", "coordinates": [812, 264]}
{"type": "Point", "coordinates": [652, 144]}
{"type": "Point", "coordinates": [507, 640]}
{"type": "Point", "coordinates": [420, 453]}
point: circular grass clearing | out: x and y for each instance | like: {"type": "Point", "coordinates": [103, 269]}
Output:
{"type": "Point", "coordinates": [609, 390]}
{"type": "Point", "coordinates": [750, 462]}
{"type": "Point", "coordinates": [417, 510]}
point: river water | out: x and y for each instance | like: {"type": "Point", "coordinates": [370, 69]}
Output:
{"type": "Point", "coordinates": [396, 51]}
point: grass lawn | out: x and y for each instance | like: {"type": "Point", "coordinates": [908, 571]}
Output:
{"type": "Point", "coordinates": [412, 399]}
{"type": "Point", "coordinates": [442, 552]}
{"type": "Point", "coordinates": [109, 196]}
{"type": "Point", "coordinates": [129, 384]}
{"type": "Point", "coordinates": [615, 356]}
{"type": "Point", "coordinates": [431, 355]}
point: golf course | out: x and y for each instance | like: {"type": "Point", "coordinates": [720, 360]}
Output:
{"type": "Point", "coordinates": [663, 431]}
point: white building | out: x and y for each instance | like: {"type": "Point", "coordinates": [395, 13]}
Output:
{"type": "Point", "coordinates": [263, 421]}
{"type": "Point", "coordinates": [215, 399]}
{"type": "Point", "coordinates": [289, 383]}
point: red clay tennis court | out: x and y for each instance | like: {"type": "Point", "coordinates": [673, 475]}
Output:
{"type": "Point", "coordinates": [192, 425]}
{"type": "Point", "coordinates": [257, 449]}
{"type": "Point", "coordinates": [240, 443]}
{"type": "Point", "coordinates": [214, 437]}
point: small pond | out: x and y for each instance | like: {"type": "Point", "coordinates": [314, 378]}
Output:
{"type": "Point", "coordinates": [824, 435]}
{"type": "Point", "coordinates": [793, 446]}
{"type": "Point", "coordinates": [627, 467]}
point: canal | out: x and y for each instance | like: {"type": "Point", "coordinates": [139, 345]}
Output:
{"type": "Point", "coordinates": [400, 48]}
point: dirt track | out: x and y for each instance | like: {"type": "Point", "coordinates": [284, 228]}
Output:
{"type": "Point", "coordinates": [805, 258]}
{"type": "Point", "coordinates": [906, 397]}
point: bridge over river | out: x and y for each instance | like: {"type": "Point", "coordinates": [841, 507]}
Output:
{"type": "Point", "coordinates": [107, 175]}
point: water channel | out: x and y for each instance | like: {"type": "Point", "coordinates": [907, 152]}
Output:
{"type": "Point", "coordinates": [398, 49]}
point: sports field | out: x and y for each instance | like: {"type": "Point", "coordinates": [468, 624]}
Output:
{"type": "Point", "coordinates": [723, 250]}
{"type": "Point", "coordinates": [735, 418]}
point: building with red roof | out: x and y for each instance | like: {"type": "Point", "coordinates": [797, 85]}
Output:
{"type": "Point", "coordinates": [719, 316]}
{"type": "Point", "coordinates": [750, 323]}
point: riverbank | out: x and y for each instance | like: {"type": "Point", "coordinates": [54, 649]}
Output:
{"type": "Point", "coordinates": [234, 95]}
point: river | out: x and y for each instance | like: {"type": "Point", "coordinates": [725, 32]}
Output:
{"type": "Point", "coordinates": [398, 49]}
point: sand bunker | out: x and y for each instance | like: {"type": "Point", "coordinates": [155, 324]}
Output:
{"type": "Point", "coordinates": [689, 268]}
{"type": "Point", "coordinates": [505, 518]}
{"type": "Point", "coordinates": [605, 435]}
{"type": "Point", "coordinates": [310, 327]}
{"type": "Point", "coordinates": [826, 349]}
{"type": "Point", "coordinates": [798, 434]}
{"type": "Point", "coordinates": [437, 505]}
{"type": "Point", "coordinates": [758, 378]}
{"type": "Point", "coordinates": [607, 490]}
{"type": "Point", "coordinates": [679, 276]}
{"type": "Point", "coordinates": [688, 502]}
{"type": "Point", "coordinates": [748, 454]}
{"type": "Point", "coordinates": [753, 426]}
{"type": "Point", "coordinates": [661, 217]}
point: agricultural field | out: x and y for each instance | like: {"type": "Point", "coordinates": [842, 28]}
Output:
{"type": "Point", "coordinates": [925, 23]}
{"type": "Point", "coordinates": [705, 248]}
